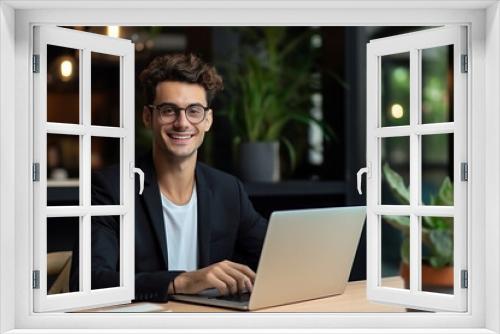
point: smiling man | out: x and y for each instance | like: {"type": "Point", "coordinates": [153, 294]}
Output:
{"type": "Point", "coordinates": [195, 227]}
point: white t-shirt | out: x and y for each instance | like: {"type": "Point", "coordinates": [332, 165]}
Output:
{"type": "Point", "coordinates": [181, 231]}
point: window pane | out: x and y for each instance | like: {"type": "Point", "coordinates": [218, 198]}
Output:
{"type": "Point", "coordinates": [437, 254]}
{"type": "Point", "coordinates": [437, 84]}
{"type": "Point", "coordinates": [395, 85]}
{"type": "Point", "coordinates": [395, 169]}
{"type": "Point", "coordinates": [63, 84]}
{"type": "Point", "coordinates": [106, 189]}
{"type": "Point", "coordinates": [63, 170]}
{"type": "Point", "coordinates": [437, 169]}
{"type": "Point", "coordinates": [105, 86]}
{"type": "Point", "coordinates": [105, 262]}
{"type": "Point", "coordinates": [395, 243]}
{"type": "Point", "coordinates": [62, 241]}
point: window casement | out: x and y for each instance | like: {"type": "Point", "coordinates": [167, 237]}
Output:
{"type": "Point", "coordinates": [16, 124]}
{"type": "Point", "coordinates": [85, 132]}
{"type": "Point", "coordinates": [438, 128]}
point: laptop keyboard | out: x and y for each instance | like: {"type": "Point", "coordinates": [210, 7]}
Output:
{"type": "Point", "coordinates": [242, 298]}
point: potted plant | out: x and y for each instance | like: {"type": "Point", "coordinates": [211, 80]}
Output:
{"type": "Point", "coordinates": [269, 93]}
{"type": "Point", "coordinates": [437, 235]}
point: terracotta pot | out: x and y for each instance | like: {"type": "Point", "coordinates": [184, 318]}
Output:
{"type": "Point", "coordinates": [433, 279]}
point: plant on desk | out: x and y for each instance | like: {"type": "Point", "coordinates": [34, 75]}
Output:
{"type": "Point", "coordinates": [437, 235]}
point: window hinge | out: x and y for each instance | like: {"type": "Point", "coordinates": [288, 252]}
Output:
{"type": "Point", "coordinates": [36, 63]}
{"type": "Point", "coordinates": [36, 279]}
{"type": "Point", "coordinates": [36, 172]}
{"type": "Point", "coordinates": [464, 167]}
{"type": "Point", "coordinates": [465, 64]}
{"type": "Point", "coordinates": [465, 279]}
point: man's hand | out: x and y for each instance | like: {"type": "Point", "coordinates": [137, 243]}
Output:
{"type": "Point", "coordinates": [226, 276]}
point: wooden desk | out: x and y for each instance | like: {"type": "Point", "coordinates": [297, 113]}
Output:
{"type": "Point", "coordinates": [352, 300]}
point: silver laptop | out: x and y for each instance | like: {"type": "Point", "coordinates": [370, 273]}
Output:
{"type": "Point", "coordinates": [307, 254]}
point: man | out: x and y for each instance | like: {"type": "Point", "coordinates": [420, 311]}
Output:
{"type": "Point", "coordinates": [195, 227]}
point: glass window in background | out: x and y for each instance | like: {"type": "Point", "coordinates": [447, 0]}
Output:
{"type": "Point", "coordinates": [395, 77]}
{"type": "Point", "coordinates": [437, 84]}
{"type": "Point", "coordinates": [437, 169]}
{"type": "Point", "coordinates": [105, 152]}
{"type": "Point", "coordinates": [63, 84]}
{"type": "Point", "coordinates": [63, 169]}
{"type": "Point", "coordinates": [101, 226]}
{"type": "Point", "coordinates": [395, 171]}
{"type": "Point", "coordinates": [62, 238]}
{"type": "Point", "coordinates": [395, 248]}
{"type": "Point", "coordinates": [105, 87]}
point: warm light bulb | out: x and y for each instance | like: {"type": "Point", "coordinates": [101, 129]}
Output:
{"type": "Point", "coordinates": [66, 69]}
{"type": "Point", "coordinates": [397, 111]}
{"type": "Point", "coordinates": [113, 31]}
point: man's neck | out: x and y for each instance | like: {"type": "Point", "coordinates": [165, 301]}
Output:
{"type": "Point", "coordinates": [176, 177]}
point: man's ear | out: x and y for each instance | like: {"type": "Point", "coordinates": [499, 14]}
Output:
{"type": "Point", "coordinates": [208, 120]}
{"type": "Point", "coordinates": [146, 117]}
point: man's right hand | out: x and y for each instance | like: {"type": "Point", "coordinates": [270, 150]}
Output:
{"type": "Point", "coordinates": [226, 276]}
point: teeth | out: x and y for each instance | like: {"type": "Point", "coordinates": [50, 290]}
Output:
{"type": "Point", "coordinates": [180, 137]}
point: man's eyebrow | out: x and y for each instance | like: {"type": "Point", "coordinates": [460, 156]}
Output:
{"type": "Point", "coordinates": [159, 104]}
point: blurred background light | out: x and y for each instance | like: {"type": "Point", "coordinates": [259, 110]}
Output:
{"type": "Point", "coordinates": [400, 75]}
{"type": "Point", "coordinates": [113, 31]}
{"type": "Point", "coordinates": [397, 111]}
{"type": "Point", "coordinates": [66, 70]}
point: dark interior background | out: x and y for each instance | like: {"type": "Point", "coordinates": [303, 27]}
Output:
{"type": "Point", "coordinates": [341, 64]}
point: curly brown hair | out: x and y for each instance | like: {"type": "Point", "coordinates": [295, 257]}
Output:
{"type": "Point", "coordinates": [182, 68]}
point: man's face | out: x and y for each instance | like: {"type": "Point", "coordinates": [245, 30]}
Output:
{"type": "Point", "coordinates": [179, 139]}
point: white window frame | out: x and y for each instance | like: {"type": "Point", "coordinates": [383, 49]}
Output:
{"type": "Point", "coordinates": [483, 18]}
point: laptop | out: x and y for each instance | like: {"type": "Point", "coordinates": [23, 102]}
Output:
{"type": "Point", "coordinates": [307, 254]}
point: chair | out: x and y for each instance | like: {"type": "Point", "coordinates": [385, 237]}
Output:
{"type": "Point", "coordinates": [59, 263]}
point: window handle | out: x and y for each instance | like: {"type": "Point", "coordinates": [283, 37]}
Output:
{"type": "Point", "coordinates": [364, 170]}
{"type": "Point", "coordinates": [141, 179]}
{"type": "Point", "coordinates": [135, 170]}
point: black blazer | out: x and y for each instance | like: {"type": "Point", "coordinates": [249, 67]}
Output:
{"type": "Point", "coordinates": [228, 228]}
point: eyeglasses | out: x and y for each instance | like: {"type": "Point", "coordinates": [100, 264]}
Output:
{"type": "Point", "coordinates": [169, 112]}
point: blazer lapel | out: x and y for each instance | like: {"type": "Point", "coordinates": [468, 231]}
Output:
{"type": "Point", "coordinates": [204, 193]}
{"type": "Point", "coordinates": [152, 202]}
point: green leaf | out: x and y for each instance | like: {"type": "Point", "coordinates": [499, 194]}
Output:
{"type": "Point", "coordinates": [401, 223]}
{"type": "Point", "coordinates": [438, 261]}
{"type": "Point", "coordinates": [427, 221]}
{"type": "Point", "coordinates": [441, 248]}
{"type": "Point", "coordinates": [275, 129]}
{"type": "Point", "coordinates": [442, 242]}
{"type": "Point", "coordinates": [396, 184]}
{"type": "Point", "coordinates": [445, 193]}
{"type": "Point", "coordinates": [291, 152]}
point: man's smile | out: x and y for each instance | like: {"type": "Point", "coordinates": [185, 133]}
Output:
{"type": "Point", "coordinates": [180, 137]}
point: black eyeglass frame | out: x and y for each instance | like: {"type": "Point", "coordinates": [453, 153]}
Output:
{"type": "Point", "coordinates": [178, 109]}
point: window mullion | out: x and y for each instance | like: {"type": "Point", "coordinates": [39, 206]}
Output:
{"type": "Point", "coordinates": [85, 114]}
{"type": "Point", "coordinates": [415, 243]}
